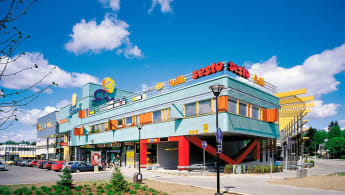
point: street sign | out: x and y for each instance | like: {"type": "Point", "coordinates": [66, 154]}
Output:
{"type": "Point", "coordinates": [219, 136]}
{"type": "Point", "coordinates": [219, 148]}
{"type": "Point", "coordinates": [204, 144]}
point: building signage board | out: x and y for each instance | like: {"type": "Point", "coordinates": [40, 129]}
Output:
{"type": "Point", "coordinates": [96, 158]}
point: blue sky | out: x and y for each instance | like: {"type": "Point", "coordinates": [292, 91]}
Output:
{"type": "Point", "coordinates": [292, 44]}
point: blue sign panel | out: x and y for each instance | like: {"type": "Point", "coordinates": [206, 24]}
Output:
{"type": "Point", "coordinates": [219, 136]}
{"type": "Point", "coordinates": [204, 144]}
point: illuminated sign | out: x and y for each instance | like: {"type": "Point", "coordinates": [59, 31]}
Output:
{"type": "Point", "coordinates": [217, 67]}
{"type": "Point", "coordinates": [74, 109]}
{"type": "Point", "coordinates": [258, 80]}
{"type": "Point", "coordinates": [179, 80]}
{"type": "Point", "coordinates": [74, 99]}
{"type": "Point", "coordinates": [159, 86]}
{"type": "Point", "coordinates": [108, 85]}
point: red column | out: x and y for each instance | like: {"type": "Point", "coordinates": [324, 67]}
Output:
{"type": "Point", "coordinates": [258, 149]}
{"type": "Point", "coordinates": [183, 150]}
{"type": "Point", "coordinates": [143, 154]}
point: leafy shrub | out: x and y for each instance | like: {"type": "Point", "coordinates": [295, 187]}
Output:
{"type": "Point", "coordinates": [342, 156]}
{"type": "Point", "coordinates": [37, 192]}
{"type": "Point", "coordinates": [68, 192]}
{"type": "Point", "coordinates": [110, 192]}
{"type": "Point", "coordinates": [88, 189]}
{"type": "Point", "coordinates": [249, 169]}
{"type": "Point", "coordinates": [66, 178]}
{"type": "Point", "coordinates": [45, 189]}
{"type": "Point", "coordinates": [5, 190]}
{"type": "Point", "coordinates": [25, 191]}
{"type": "Point", "coordinates": [136, 186]}
{"type": "Point", "coordinates": [99, 187]}
{"type": "Point", "coordinates": [256, 169]}
{"type": "Point", "coordinates": [118, 181]}
{"type": "Point", "coordinates": [144, 188]}
{"type": "Point", "coordinates": [77, 193]}
{"type": "Point", "coordinates": [242, 168]}
{"type": "Point", "coordinates": [132, 192]}
{"type": "Point", "coordinates": [228, 168]}
{"type": "Point", "coordinates": [78, 188]}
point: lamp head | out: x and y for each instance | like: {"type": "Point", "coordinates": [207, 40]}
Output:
{"type": "Point", "coordinates": [139, 126]}
{"type": "Point", "coordinates": [216, 89]}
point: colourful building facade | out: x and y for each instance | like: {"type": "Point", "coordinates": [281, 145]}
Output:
{"type": "Point", "coordinates": [177, 116]}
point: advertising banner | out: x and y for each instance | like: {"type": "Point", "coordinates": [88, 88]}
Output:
{"type": "Point", "coordinates": [96, 158]}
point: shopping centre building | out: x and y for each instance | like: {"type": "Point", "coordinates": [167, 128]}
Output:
{"type": "Point", "coordinates": [177, 115]}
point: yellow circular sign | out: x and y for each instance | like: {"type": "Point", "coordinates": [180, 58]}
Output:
{"type": "Point", "coordinates": [159, 86]}
{"type": "Point", "coordinates": [108, 85]}
{"type": "Point", "coordinates": [74, 99]}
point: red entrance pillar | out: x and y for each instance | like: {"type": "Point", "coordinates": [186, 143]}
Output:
{"type": "Point", "coordinates": [143, 154]}
{"type": "Point", "coordinates": [183, 150]}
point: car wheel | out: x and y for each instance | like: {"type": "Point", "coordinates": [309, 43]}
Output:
{"type": "Point", "coordinates": [77, 171]}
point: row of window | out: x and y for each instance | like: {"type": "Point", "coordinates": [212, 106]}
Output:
{"type": "Point", "coordinates": [46, 126]}
{"type": "Point", "coordinates": [16, 149]}
{"type": "Point", "coordinates": [45, 146]}
{"type": "Point", "coordinates": [157, 116]}
{"type": "Point", "coordinates": [234, 106]}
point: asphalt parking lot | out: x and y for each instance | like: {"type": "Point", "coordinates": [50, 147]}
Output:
{"type": "Point", "coordinates": [28, 175]}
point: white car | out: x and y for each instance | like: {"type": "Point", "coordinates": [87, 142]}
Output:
{"type": "Point", "coordinates": [2, 166]}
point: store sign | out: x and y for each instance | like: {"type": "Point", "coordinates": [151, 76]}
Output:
{"type": "Point", "coordinates": [179, 80]}
{"type": "Point", "coordinates": [218, 67]}
{"type": "Point", "coordinates": [258, 80]}
{"type": "Point", "coordinates": [63, 144]}
{"type": "Point", "coordinates": [159, 86]}
{"type": "Point", "coordinates": [108, 85]}
{"type": "Point", "coordinates": [102, 94]}
{"type": "Point", "coordinates": [74, 109]}
{"type": "Point", "coordinates": [96, 158]}
{"type": "Point", "coordinates": [74, 99]}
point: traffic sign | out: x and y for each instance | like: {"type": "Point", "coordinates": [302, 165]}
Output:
{"type": "Point", "coordinates": [204, 144]}
{"type": "Point", "coordinates": [219, 136]}
{"type": "Point", "coordinates": [219, 148]}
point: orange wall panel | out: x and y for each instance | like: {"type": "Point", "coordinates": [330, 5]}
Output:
{"type": "Point", "coordinates": [146, 118]}
{"type": "Point", "coordinates": [222, 103]}
{"type": "Point", "coordinates": [112, 124]}
{"type": "Point", "coordinates": [270, 115]}
{"type": "Point", "coordinates": [62, 121]}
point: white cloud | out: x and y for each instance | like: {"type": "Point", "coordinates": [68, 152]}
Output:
{"type": "Point", "coordinates": [316, 73]}
{"type": "Point", "coordinates": [323, 110]}
{"type": "Point", "coordinates": [113, 4]}
{"type": "Point", "coordinates": [110, 34]}
{"type": "Point", "coordinates": [342, 123]}
{"type": "Point", "coordinates": [29, 77]}
{"type": "Point", "coordinates": [29, 117]}
{"type": "Point", "coordinates": [26, 135]}
{"type": "Point", "coordinates": [63, 103]}
{"type": "Point", "coordinates": [131, 52]}
{"type": "Point", "coordinates": [165, 5]}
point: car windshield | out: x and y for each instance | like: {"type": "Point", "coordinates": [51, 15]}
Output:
{"type": "Point", "coordinates": [70, 163]}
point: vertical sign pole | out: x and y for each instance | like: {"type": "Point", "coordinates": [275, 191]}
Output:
{"type": "Point", "coordinates": [204, 160]}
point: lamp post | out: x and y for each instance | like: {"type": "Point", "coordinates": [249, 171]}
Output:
{"type": "Point", "coordinates": [216, 89]}
{"type": "Point", "coordinates": [138, 177]}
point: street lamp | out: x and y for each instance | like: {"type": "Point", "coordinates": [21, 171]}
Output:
{"type": "Point", "coordinates": [139, 176]}
{"type": "Point", "coordinates": [216, 89]}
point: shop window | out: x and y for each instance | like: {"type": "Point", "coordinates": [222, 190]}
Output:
{"type": "Point", "coordinates": [106, 126]}
{"type": "Point", "coordinates": [232, 106]}
{"type": "Point", "coordinates": [157, 116]}
{"type": "Point", "coordinates": [102, 127]}
{"type": "Point", "coordinates": [255, 112]}
{"type": "Point", "coordinates": [190, 109]}
{"type": "Point", "coordinates": [204, 107]}
{"type": "Point", "coordinates": [243, 109]}
{"type": "Point", "coordinates": [119, 123]}
{"type": "Point", "coordinates": [129, 121]}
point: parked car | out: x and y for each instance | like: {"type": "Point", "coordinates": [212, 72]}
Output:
{"type": "Point", "coordinates": [68, 164]}
{"type": "Point", "coordinates": [48, 165]}
{"type": "Point", "coordinates": [25, 163]}
{"type": "Point", "coordinates": [17, 162]}
{"type": "Point", "coordinates": [33, 163]}
{"type": "Point", "coordinates": [57, 166]}
{"type": "Point", "coordinates": [9, 162]}
{"type": "Point", "coordinates": [2, 166]}
{"type": "Point", "coordinates": [78, 166]}
{"type": "Point", "coordinates": [41, 164]}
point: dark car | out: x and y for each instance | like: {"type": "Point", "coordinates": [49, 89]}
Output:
{"type": "Point", "coordinates": [48, 165]}
{"type": "Point", "coordinates": [80, 166]}
{"type": "Point", "coordinates": [41, 164]}
{"type": "Point", "coordinates": [17, 162]}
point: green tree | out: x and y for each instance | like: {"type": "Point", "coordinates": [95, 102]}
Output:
{"type": "Point", "coordinates": [66, 178]}
{"type": "Point", "coordinates": [334, 132]}
{"type": "Point", "coordinates": [342, 133]}
{"type": "Point", "coordinates": [336, 146]}
{"type": "Point", "coordinates": [319, 136]}
{"type": "Point", "coordinates": [309, 145]}
{"type": "Point", "coordinates": [118, 182]}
